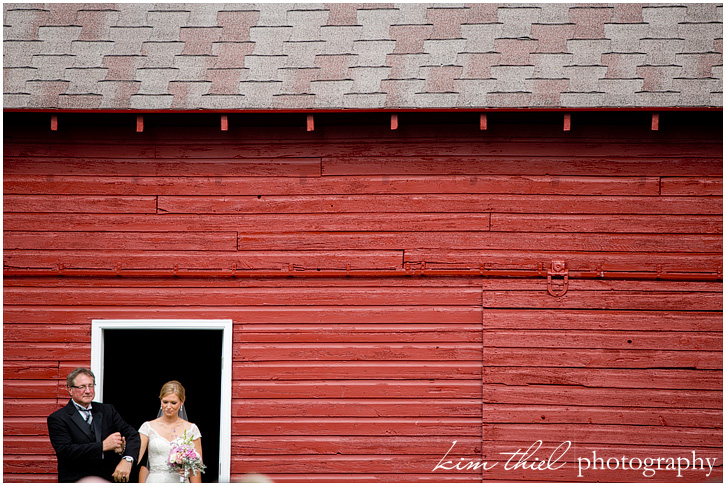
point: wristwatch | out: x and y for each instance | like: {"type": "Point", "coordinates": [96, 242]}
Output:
{"type": "Point", "coordinates": [128, 458]}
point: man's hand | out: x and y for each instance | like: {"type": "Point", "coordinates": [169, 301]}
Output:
{"type": "Point", "coordinates": [122, 472]}
{"type": "Point", "coordinates": [113, 442]}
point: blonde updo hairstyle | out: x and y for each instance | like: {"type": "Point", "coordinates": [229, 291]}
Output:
{"type": "Point", "coordinates": [172, 387]}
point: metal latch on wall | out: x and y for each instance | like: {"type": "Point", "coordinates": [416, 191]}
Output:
{"type": "Point", "coordinates": [557, 287]}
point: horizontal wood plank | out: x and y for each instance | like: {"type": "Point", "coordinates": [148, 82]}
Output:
{"type": "Point", "coordinates": [489, 163]}
{"type": "Point", "coordinates": [358, 389]}
{"type": "Point", "coordinates": [253, 315]}
{"type": "Point", "coordinates": [357, 351]}
{"type": "Point", "coordinates": [111, 259]}
{"type": "Point", "coordinates": [611, 397]}
{"type": "Point", "coordinates": [604, 358]}
{"type": "Point", "coordinates": [245, 223]}
{"type": "Point", "coordinates": [571, 414]}
{"type": "Point", "coordinates": [689, 186]}
{"type": "Point", "coordinates": [89, 164]}
{"type": "Point", "coordinates": [564, 319]}
{"type": "Point", "coordinates": [361, 407]}
{"type": "Point", "coordinates": [697, 341]}
{"type": "Point", "coordinates": [590, 377]}
{"type": "Point", "coordinates": [387, 370]}
{"type": "Point", "coordinates": [458, 240]}
{"type": "Point", "coordinates": [425, 296]}
{"type": "Point", "coordinates": [52, 203]}
{"type": "Point", "coordinates": [595, 300]}
{"type": "Point", "coordinates": [359, 426]}
{"type": "Point", "coordinates": [229, 185]}
{"type": "Point", "coordinates": [614, 223]}
{"type": "Point", "coordinates": [429, 203]}
{"type": "Point", "coordinates": [85, 240]}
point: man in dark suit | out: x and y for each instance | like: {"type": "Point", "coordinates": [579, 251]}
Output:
{"type": "Point", "coordinates": [91, 438]}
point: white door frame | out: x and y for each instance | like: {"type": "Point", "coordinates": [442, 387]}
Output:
{"type": "Point", "coordinates": [98, 326]}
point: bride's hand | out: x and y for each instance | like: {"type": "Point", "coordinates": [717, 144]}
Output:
{"type": "Point", "coordinates": [120, 449]}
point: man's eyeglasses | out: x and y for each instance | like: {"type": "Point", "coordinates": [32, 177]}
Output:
{"type": "Point", "coordinates": [83, 387]}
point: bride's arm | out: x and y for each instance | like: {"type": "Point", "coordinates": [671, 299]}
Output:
{"type": "Point", "coordinates": [143, 471]}
{"type": "Point", "coordinates": [197, 447]}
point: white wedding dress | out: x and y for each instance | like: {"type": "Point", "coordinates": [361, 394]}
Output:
{"type": "Point", "coordinates": [158, 451]}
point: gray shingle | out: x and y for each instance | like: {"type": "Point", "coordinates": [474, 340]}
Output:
{"type": "Point", "coordinates": [84, 80]}
{"type": "Point", "coordinates": [166, 24]}
{"type": "Point", "coordinates": [339, 39]}
{"type": "Point", "coordinates": [406, 66]}
{"type": "Point", "coordinates": [663, 20]}
{"type": "Point", "coordinates": [269, 40]}
{"type": "Point", "coordinates": [19, 53]}
{"type": "Point", "coordinates": [585, 79]}
{"type": "Point", "coordinates": [301, 54]}
{"type": "Point", "coordinates": [376, 23]}
{"type": "Point", "coordinates": [480, 37]}
{"type": "Point", "coordinates": [699, 36]}
{"type": "Point", "coordinates": [14, 78]}
{"type": "Point", "coordinates": [619, 92]}
{"type": "Point", "coordinates": [58, 40]}
{"type": "Point", "coordinates": [155, 81]}
{"type": "Point", "coordinates": [663, 98]}
{"type": "Point", "coordinates": [151, 102]}
{"type": "Point", "coordinates": [588, 52]}
{"type": "Point", "coordinates": [661, 51]}
{"type": "Point", "coordinates": [368, 79]}
{"type": "Point", "coordinates": [443, 51]}
{"type": "Point", "coordinates": [264, 68]}
{"type": "Point", "coordinates": [511, 79]}
{"type": "Point", "coordinates": [259, 94]}
{"type": "Point", "coordinates": [89, 54]}
{"type": "Point", "coordinates": [550, 65]}
{"type": "Point", "coordinates": [222, 102]}
{"type": "Point", "coordinates": [370, 101]}
{"type": "Point", "coordinates": [128, 40]}
{"type": "Point", "coordinates": [517, 21]}
{"type": "Point", "coordinates": [330, 93]}
{"type": "Point", "coordinates": [372, 52]}
{"type": "Point", "coordinates": [695, 92]}
{"type": "Point", "coordinates": [193, 68]}
{"type": "Point", "coordinates": [473, 92]}
{"type": "Point", "coordinates": [51, 67]}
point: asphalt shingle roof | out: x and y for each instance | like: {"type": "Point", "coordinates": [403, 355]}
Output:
{"type": "Point", "coordinates": [361, 56]}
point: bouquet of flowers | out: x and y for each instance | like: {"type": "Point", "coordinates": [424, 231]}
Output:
{"type": "Point", "coordinates": [183, 458]}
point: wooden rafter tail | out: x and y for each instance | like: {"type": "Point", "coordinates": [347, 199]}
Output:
{"type": "Point", "coordinates": [311, 123]}
{"type": "Point", "coordinates": [567, 124]}
{"type": "Point", "coordinates": [483, 121]}
{"type": "Point", "coordinates": [655, 122]}
{"type": "Point", "coordinates": [224, 123]}
{"type": "Point", "coordinates": [139, 123]}
{"type": "Point", "coordinates": [394, 121]}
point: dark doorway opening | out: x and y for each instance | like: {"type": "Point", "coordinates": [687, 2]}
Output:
{"type": "Point", "coordinates": [137, 363]}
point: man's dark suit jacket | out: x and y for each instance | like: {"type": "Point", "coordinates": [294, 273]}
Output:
{"type": "Point", "coordinates": [78, 454]}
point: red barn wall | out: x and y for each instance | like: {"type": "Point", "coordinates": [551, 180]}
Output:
{"type": "Point", "coordinates": [372, 379]}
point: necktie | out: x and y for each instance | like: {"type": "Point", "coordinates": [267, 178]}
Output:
{"type": "Point", "coordinates": [88, 418]}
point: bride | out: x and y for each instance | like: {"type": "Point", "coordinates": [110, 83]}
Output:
{"type": "Point", "coordinates": [158, 434]}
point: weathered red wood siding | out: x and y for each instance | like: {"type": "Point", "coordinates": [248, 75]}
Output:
{"type": "Point", "coordinates": [372, 379]}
